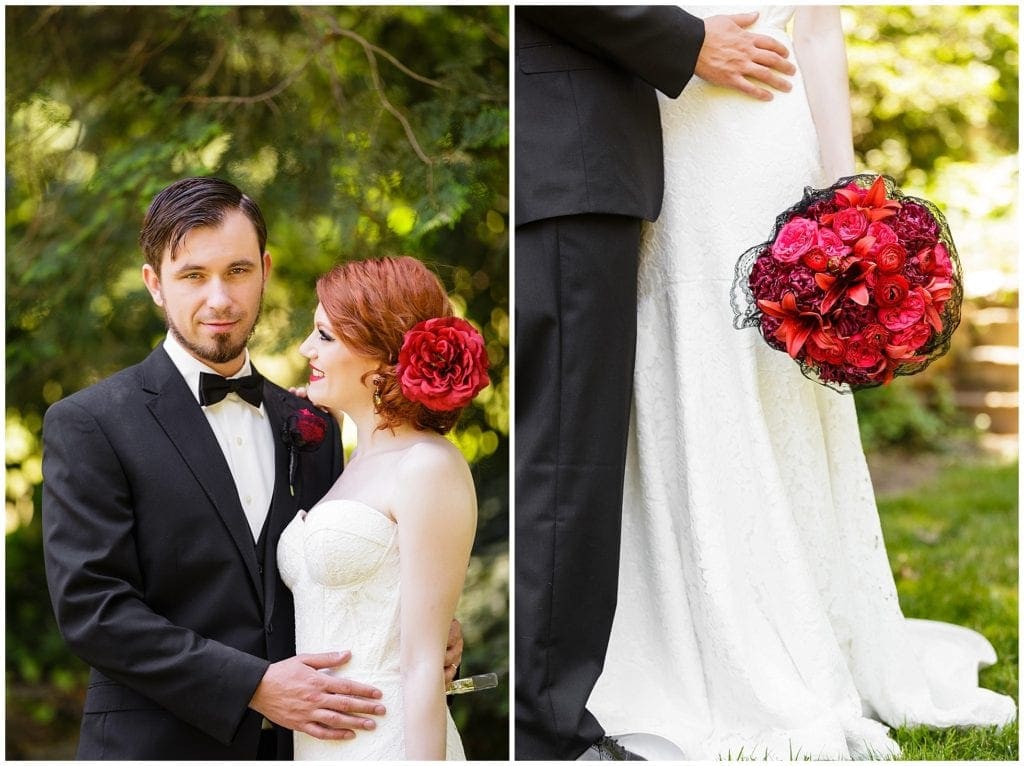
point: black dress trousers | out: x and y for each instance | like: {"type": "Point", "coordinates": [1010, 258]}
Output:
{"type": "Point", "coordinates": [575, 344]}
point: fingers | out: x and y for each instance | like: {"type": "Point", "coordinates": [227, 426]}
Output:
{"type": "Point", "coordinates": [449, 673]}
{"type": "Point", "coordinates": [323, 732]}
{"type": "Point", "coordinates": [325, 659]}
{"type": "Point", "coordinates": [743, 19]}
{"type": "Point", "coordinates": [771, 45]}
{"type": "Point", "coordinates": [350, 688]}
{"type": "Point", "coordinates": [331, 719]}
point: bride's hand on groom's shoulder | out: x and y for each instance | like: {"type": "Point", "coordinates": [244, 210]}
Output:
{"type": "Point", "coordinates": [294, 694]}
{"type": "Point", "coordinates": [730, 55]}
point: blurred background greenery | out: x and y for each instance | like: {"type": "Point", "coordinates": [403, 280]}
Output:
{"type": "Point", "coordinates": [361, 131]}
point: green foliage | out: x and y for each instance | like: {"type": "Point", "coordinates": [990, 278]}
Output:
{"type": "Point", "coordinates": [919, 416]}
{"type": "Point", "coordinates": [953, 549]}
{"type": "Point", "coordinates": [361, 131]}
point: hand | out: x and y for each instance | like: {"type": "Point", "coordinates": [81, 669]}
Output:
{"type": "Point", "coordinates": [299, 391]}
{"type": "Point", "coordinates": [730, 55]}
{"type": "Point", "coordinates": [294, 695]}
{"type": "Point", "coordinates": [453, 652]}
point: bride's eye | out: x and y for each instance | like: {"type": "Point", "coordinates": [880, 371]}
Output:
{"type": "Point", "coordinates": [324, 336]}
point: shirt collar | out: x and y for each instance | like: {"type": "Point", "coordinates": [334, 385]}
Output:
{"type": "Point", "coordinates": [190, 367]}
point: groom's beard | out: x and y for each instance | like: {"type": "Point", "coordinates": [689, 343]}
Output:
{"type": "Point", "coordinates": [223, 348]}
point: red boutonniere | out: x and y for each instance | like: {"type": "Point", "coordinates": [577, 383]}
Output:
{"type": "Point", "coordinates": [304, 430]}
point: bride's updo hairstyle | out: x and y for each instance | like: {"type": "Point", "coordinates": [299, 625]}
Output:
{"type": "Point", "coordinates": [371, 305]}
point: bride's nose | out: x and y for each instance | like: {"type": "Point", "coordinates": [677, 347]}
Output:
{"type": "Point", "coordinates": [307, 349]}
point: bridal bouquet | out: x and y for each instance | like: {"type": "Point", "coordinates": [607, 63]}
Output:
{"type": "Point", "coordinates": [858, 283]}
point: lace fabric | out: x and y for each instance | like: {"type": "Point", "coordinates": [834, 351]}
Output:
{"type": "Point", "coordinates": [342, 566]}
{"type": "Point", "coordinates": [757, 614]}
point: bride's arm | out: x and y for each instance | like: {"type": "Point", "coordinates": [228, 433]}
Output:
{"type": "Point", "coordinates": [435, 505]}
{"type": "Point", "coordinates": [821, 53]}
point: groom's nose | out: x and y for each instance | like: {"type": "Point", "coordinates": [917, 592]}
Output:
{"type": "Point", "coordinates": [219, 296]}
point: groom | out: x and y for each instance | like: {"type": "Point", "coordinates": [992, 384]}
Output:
{"type": "Point", "coordinates": [166, 488]}
{"type": "Point", "coordinates": [588, 170]}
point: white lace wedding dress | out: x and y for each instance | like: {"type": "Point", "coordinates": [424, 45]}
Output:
{"type": "Point", "coordinates": [757, 614]}
{"type": "Point", "coordinates": [342, 565]}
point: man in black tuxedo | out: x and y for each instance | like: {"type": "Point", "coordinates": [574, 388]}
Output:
{"type": "Point", "coordinates": [166, 488]}
{"type": "Point", "coordinates": [588, 170]}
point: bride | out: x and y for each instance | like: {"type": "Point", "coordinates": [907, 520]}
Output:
{"type": "Point", "coordinates": [757, 615]}
{"type": "Point", "coordinates": [378, 564]}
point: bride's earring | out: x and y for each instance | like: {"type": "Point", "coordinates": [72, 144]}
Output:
{"type": "Point", "coordinates": [378, 385]}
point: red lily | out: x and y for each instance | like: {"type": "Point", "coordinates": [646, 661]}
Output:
{"type": "Point", "coordinates": [935, 295]}
{"type": "Point", "coordinates": [850, 282]}
{"type": "Point", "coordinates": [797, 325]}
{"type": "Point", "coordinates": [873, 203]}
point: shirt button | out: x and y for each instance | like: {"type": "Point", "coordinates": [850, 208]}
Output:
{"type": "Point", "coordinates": [238, 440]}
{"type": "Point", "coordinates": [248, 499]}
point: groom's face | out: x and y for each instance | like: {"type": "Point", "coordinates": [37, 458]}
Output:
{"type": "Point", "coordinates": [211, 290]}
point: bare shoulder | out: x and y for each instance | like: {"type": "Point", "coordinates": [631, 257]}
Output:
{"type": "Point", "coordinates": [434, 472]}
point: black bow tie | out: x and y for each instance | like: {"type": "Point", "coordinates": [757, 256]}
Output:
{"type": "Point", "coordinates": [213, 388]}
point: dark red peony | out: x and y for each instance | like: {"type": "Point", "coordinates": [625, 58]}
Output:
{"type": "Point", "coordinates": [443, 364]}
{"type": "Point", "coordinates": [859, 284]}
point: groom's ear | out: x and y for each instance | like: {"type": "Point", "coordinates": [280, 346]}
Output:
{"type": "Point", "coordinates": [152, 281]}
{"type": "Point", "coordinates": [266, 267]}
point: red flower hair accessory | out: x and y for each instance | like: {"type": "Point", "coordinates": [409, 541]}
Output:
{"type": "Point", "coordinates": [442, 364]}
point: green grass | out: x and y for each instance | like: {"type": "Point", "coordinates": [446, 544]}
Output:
{"type": "Point", "coordinates": [953, 550]}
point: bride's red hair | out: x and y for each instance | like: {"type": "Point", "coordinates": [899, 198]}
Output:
{"type": "Point", "coordinates": [371, 304]}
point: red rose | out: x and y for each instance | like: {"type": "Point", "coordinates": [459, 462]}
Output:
{"type": "Point", "coordinates": [795, 239]}
{"type": "Point", "coordinates": [815, 260]}
{"type": "Point", "coordinates": [875, 335]}
{"type": "Point", "coordinates": [891, 290]}
{"type": "Point", "coordinates": [890, 258]}
{"type": "Point", "coordinates": [902, 316]}
{"type": "Point", "coordinates": [442, 364]}
{"type": "Point", "coordinates": [850, 224]}
{"type": "Point", "coordinates": [882, 233]}
{"type": "Point", "coordinates": [860, 352]}
{"type": "Point", "coordinates": [913, 337]}
{"type": "Point", "coordinates": [304, 430]}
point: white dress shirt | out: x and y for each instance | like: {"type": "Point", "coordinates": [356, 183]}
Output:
{"type": "Point", "coordinates": [243, 432]}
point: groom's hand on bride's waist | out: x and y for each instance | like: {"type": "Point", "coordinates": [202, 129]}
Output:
{"type": "Point", "coordinates": [735, 58]}
{"type": "Point", "coordinates": [294, 694]}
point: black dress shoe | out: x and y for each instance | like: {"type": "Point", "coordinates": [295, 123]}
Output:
{"type": "Point", "coordinates": [608, 749]}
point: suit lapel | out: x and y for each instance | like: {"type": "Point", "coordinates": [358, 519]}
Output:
{"type": "Point", "coordinates": [182, 419]}
{"type": "Point", "coordinates": [282, 505]}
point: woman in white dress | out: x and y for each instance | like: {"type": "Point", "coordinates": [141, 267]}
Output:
{"type": "Point", "coordinates": [757, 614]}
{"type": "Point", "coordinates": [378, 564]}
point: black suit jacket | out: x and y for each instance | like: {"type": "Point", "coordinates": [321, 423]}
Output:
{"type": "Point", "coordinates": [588, 130]}
{"type": "Point", "coordinates": [152, 568]}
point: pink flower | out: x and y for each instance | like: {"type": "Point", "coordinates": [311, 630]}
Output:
{"type": "Point", "coordinates": [850, 224]}
{"type": "Point", "coordinates": [881, 233]}
{"type": "Point", "coordinates": [830, 244]}
{"type": "Point", "coordinates": [913, 337]}
{"type": "Point", "coordinates": [943, 265]}
{"type": "Point", "coordinates": [794, 239]}
{"type": "Point", "coordinates": [861, 352]}
{"type": "Point", "coordinates": [910, 311]}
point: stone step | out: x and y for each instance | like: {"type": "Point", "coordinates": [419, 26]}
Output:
{"type": "Point", "coordinates": [994, 326]}
{"type": "Point", "coordinates": [988, 368]}
{"type": "Point", "coordinates": [997, 412]}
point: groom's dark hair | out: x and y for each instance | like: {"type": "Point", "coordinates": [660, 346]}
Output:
{"type": "Point", "coordinates": [189, 204]}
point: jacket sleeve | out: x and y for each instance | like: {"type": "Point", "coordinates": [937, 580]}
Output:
{"type": "Point", "coordinates": [657, 43]}
{"type": "Point", "coordinates": [98, 592]}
